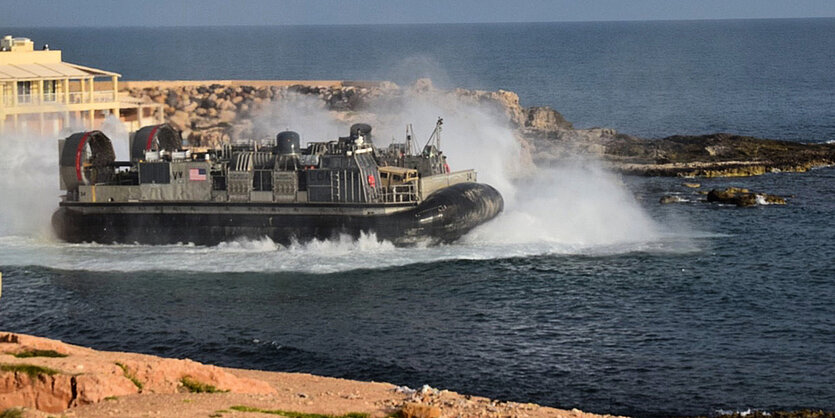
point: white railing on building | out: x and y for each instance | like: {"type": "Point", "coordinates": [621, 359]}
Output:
{"type": "Point", "coordinates": [103, 96]}
{"type": "Point", "coordinates": [77, 97]}
{"type": "Point", "coordinates": [26, 99]}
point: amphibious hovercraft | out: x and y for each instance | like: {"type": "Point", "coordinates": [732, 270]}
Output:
{"type": "Point", "coordinates": [169, 194]}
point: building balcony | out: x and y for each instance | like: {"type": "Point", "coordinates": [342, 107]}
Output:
{"type": "Point", "coordinates": [23, 100]}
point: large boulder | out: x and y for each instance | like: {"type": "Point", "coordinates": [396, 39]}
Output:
{"type": "Point", "coordinates": [743, 197]}
{"type": "Point", "coordinates": [180, 120]}
{"type": "Point", "coordinates": [544, 118]}
{"type": "Point", "coordinates": [227, 116]}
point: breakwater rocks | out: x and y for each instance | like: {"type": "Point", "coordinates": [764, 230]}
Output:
{"type": "Point", "coordinates": [216, 112]}
{"type": "Point", "coordinates": [39, 376]}
{"type": "Point", "coordinates": [210, 113]}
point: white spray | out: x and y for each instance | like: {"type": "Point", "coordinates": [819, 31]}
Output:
{"type": "Point", "coordinates": [115, 129]}
{"type": "Point", "coordinates": [575, 205]}
{"type": "Point", "coordinates": [29, 179]}
{"type": "Point", "coordinates": [571, 206]}
{"type": "Point", "coordinates": [29, 184]}
{"type": "Point", "coordinates": [306, 115]}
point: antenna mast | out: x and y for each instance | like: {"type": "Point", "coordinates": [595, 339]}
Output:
{"type": "Point", "coordinates": [409, 142]}
{"type": "Point", "coordinates": [436, 134]}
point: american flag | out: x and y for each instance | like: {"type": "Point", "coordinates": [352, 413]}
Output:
{"type": "Point", "coordinates": [198, 174]}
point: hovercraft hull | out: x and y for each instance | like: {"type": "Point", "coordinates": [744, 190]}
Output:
{"type": "Point", "coordinates": [443, 217]}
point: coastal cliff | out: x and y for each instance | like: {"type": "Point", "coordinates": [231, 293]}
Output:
{"type": "Point", "coordinates": [209, 113]}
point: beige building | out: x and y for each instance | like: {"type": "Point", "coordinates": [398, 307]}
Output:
{"type": "Point", "coordinates": [40, 93]}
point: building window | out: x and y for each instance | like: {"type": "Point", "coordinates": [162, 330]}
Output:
{"type": "Point", "coordinates": [50, 90]}
{"type": "Point", "coordinates": [24, 92]}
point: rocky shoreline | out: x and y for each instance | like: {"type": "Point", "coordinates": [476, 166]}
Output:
{"type": "Point", "coordinates": [40, 377]}
{"type": "Point", "coordinates": [211, 112]}
{"type": "Point", "coordinates": [716, 155]}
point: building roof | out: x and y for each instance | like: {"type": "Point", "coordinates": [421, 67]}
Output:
{"type": "Point", "coordinates": [397, 170]}
{"type": "Point", "coordinates": [49, 71]}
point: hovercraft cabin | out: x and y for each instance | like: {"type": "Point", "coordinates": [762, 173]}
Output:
{"type": "Point", "coordinates": [41, 94]}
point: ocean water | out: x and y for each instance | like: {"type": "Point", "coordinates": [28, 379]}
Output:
{"type": "Point", "coordinates": [768, 78]}
{"type": "Point", "coordinates": [585, 293]}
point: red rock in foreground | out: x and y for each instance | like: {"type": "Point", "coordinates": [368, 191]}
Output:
{"type": "Point", "coordinates": [47, 376]}
{"type": "Point", "coordinates": [66, 376]}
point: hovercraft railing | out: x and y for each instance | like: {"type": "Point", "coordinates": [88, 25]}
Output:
{"type": "Point", "coordinates": [400, 193]}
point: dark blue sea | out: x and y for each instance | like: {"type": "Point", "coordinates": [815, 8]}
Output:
{"type": "Point", "coordinates": [586, 293]}
{"type": "Point", "coordinates": [768, 78]}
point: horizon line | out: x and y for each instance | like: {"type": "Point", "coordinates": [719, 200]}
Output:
{"type": "Point", "coordinates": [422, 23]}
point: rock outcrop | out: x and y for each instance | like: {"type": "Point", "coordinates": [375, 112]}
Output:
{"type": "Point", "coordinates": [543, 118]}
{"type": "Point", "coordinates": [715, 155]}
{"type": "Point", "coordinates": [52, 376]}
{"type": "Point", "coordinates": [743, 197]}
{"type": "Point", "coordinates": [730, 196]}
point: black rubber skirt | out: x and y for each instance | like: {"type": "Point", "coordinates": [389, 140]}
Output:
{"type": "Point", "coordinates": [443, 217]}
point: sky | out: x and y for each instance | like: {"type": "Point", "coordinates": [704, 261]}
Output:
{"type": "Point", "coordinates": [64, 13]}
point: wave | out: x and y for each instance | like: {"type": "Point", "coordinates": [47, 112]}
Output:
{"type": "Point", "coordinates": [318, 257]}
{"type": "Point", "coordinates": [741, 413]}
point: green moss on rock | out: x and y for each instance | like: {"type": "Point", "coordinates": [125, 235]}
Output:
{"type": "Point", "coordinates": [29, 369]}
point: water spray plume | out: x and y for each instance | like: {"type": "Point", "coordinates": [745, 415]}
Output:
{"type": "Point", "coordinates": [571, 206]}
{"type": "Point", "coordinates": [575, 203]}
{"type": "Point", "coordinates": [300, 113]}
{"type": "Point", "coordinates": [119, 136]}
{"type": "Point", "coordinates": [29, 184]}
